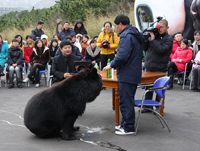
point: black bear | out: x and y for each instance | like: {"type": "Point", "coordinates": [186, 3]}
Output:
{"type": "Point", "coordinates": [54, 111]}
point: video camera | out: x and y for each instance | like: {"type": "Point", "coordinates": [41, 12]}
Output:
{"type": "Point", "coordinates": [153, 29]}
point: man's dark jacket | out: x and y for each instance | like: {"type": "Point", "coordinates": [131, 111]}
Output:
{"type": "Point", "coordinates": [157, 53]}
{"type": "Point", "coordinates": [36, 33]}
{"type": "Point", "coordinates": [128, 60]}
{"type": "Point", "coordinates": [75, 51]}
{"type": "Point", "coordinates": [59, 66]}
{"type": "Point", "coordinates": [63, 33]}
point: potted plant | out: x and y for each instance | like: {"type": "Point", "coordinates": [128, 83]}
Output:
{"type": "Point", "coordinates": [146, 20]}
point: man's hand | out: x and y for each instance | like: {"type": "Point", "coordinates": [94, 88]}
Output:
{"type": "Point", "coordinates": [14, 65]}
{"type": "Point", "coordinates": [93, 62]}
{"type": "Point", "coordinates": [65, 75]}
{"type": "Point", "coordinates": [152, 36]}
{"type": "Point", "coordinates": [107, 67]}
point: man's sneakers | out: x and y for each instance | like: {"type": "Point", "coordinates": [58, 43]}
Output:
{"type": "Point", "coordinates": [26, 80]}
{"type": "Point", "coordinates": [121, 131]}
{"type": "Point", "coordinates": [118, 128]}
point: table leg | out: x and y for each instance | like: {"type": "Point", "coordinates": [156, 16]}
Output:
{"type": "Point", "coordinates": [161, 108]}
{"type": "Point", "coordinates": [116, 107]}
{"type": "Point", "coordinates": [113, 98]}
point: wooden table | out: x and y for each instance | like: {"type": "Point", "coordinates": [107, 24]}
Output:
{"type": "Point", "coordinates": [147, 78]}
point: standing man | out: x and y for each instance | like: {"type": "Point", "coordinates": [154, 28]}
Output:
{"type": "Point", "coordinates": [128, 62]}
{"type": "Point", "coordinates": [37, 31]}
{"type": "Point", "coordinates": [158, 50]}
{"type": "Point", "coordinates": [66, 31]}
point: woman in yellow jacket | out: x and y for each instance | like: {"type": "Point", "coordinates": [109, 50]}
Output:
{"type": "Point", "coordinates": [108, 42]}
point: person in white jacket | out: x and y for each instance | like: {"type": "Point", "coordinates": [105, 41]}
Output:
{"type": "Point", "coordinates": [75, 41]}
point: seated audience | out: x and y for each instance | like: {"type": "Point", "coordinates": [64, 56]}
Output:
{"type": "Point", "coordinates": [57, 38]}
{"type": "Point", "coordinates": [3, 54]}
{"type": "Point", "coordinates": [180, 58]}
{"type": "Point", "coordinates": [53, 48]}
{"type": "Point", "coordinates": [37, 31]}
{"type": "Point", "coordinates": [66, 31]}
{"type": "Point", "coordinates": [79, 37]}
{"type": "Point", "coordinates": [44, 40]}
{"type": "Point", "coordinates": [63, 64]}
{"type": "Point", "coordinates": [15, 64]}
{"type": "Point", "coordinates": [28, 48]}
{"type": "Point", "coordinates": [75, 50]}
{"type": "Point", "coordinates": [20, 41]}
{"type": "Point", "coordinates": [176, 43]}
{"type": "Point", "coordinates": [196, 73]}
{"type": "Point", "coordinates": [79, 28]}
{"type": "Point", "coordinates": [38, 59]}
{"type": "Point", "coordinates": [93, 53]}
{"type": "Point", "coordinates": [75, 42]}
{"type": "Point", "coordinates": [84, 44]}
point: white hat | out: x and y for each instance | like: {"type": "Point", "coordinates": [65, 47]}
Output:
{"type": "Point", "coordinates": [44, 36]}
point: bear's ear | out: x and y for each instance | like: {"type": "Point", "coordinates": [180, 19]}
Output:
{"type": "Point", "coordinates": [93, 71]}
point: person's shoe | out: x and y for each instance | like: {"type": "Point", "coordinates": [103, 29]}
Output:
{"type": "Point", "coordinates": [10, 86]}
{"type": "Point", "coordinates": [118, 128]}
{"type": "Point", "coordinates": [181, 82]}
{"type": "Point", "coordinates": [37, 85]}
{"type": "Point", "coordinates": [123, 132]}
{"type": "Point", "coordinates": [20, 86]}
{"type": "Point", "coordinates": [26, 80]}
{"type": "Point", "coordinates": [169, 87]}
{"type": "Point", "coordinates": [194, 89]}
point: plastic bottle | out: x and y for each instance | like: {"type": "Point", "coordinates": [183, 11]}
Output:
{"type": "Point", "coordinates": [109, 72]}
{"type": "Point", "coordinates": [96, 66]}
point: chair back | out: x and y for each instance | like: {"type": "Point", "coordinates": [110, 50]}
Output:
{"type": "Point", "coordinates": [161, 82]}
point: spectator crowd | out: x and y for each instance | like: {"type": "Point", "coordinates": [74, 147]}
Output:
{"type": "Point", "coordinates": [163, 53]}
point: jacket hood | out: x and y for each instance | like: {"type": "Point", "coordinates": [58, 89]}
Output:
{"type": "Point", "coordinates": [79, 21]}
{"type": "Point", "coordinates": [134, 31]}
{"type": "Point", "coordinates": [111, 29]}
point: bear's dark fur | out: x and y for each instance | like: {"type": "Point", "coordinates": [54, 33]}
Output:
{"type": "Point", "coordinates": [57, 108]}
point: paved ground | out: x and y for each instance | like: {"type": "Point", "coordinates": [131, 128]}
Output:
{"type": "Point", "coordinates": [97, 125]}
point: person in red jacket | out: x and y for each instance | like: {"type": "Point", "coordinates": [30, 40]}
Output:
{"type": "Point", "coordinates": [176, 43]}
{"type": "Point", "coordinates": [180, 58]}
{"type": "Point", "coordinates": [28, 48]}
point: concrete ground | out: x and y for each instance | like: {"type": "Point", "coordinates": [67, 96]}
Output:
{"type": "Point", "coordinates": [97, 125]}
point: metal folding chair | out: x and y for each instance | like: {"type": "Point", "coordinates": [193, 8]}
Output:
{"type": "Point", "coordinates": [159, 87]}
{"type": "Point", "coordinates": [184, 74]}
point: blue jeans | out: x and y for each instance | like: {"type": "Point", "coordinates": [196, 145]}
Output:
{"type": "Point", "coordinates": [127, 101]}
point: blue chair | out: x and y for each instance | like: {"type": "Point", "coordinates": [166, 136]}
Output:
{"type": "Point", "coordinates": [183, 73]}
{"type": "Point", "coordinates": [159, 87]}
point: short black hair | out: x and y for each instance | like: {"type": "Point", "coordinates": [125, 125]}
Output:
{"type": "Point", "coordinates": [64, 43]}
{"type": "Point", "coordinates": [28, 36]}
{"type": "Point", "coordinates": [108, 23]}
{"type": "Point", "coordinates": [68, 38]}
{"type": "Point", "coordinates": [96, 36]}
{"type": "Point", "coordinates": [92, 41]}
{"type": "Point", "coordinates": [85, 35]}
{"type": "Point", "coordinates": [40, 22]}
{"type": "Point", "coordinates": [185, 41]}
{"type": "Point", "coordinates": [196, 32]}
{"type": "Point", "coordinates": [15, 40]}
{"type": "Point", "coordinates": [123, 19]}
{"type": "Point", "coordinates": [178, 33]}
{"type": "Point", "coordinates": [72, 35]}
{"type": "Point", "coordinates": [67, 22]}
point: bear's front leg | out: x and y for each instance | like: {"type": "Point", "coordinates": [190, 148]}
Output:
{"type": "Point", "coordinates": [68, 127]}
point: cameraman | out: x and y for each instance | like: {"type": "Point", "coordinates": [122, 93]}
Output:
{"type": "Point", "coordinates": [108, 42]}
{"type": "Point", "coordinates": [158, 50]}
